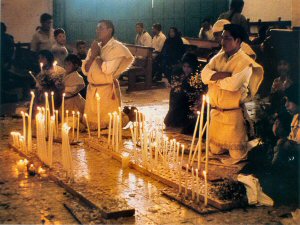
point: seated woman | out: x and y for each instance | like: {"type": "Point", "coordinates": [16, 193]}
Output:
{"type": "Point", "coordinates": [185, 96]}
{"type": "Point", "coordinates": [74, 83]}
{"type": "Point", "coordinates": [172, 52]}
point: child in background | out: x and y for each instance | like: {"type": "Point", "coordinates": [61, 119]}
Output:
{"type": "Point", "coordinates": [81, 48]}
{"type": "Point", "coordinates": [74, 83]}
{"type": "Point", "coordinates": [59, 49]}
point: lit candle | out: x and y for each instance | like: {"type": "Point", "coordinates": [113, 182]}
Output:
{"type": "Point", "coordinates": [41, 66]}
{"type": "Point", "coordinates": [46, 111]}
{"type": "Point", "coordinates": [63, 109]}
{"type": "Point", "coordinates": [193, 186]}
{"type": "Point", "coordinates": [87, 124]}
{"type": "Point", "coordinates": [179, 174]}
{"type": "Point", "coordinates": [73, 125]}
{"type": "Point", "coordinates": [205, 187]}
{"type": "Point", "coordinates": [50, 141]}
{"type": "Point", "coordinates": [194, 135]}
{"type": "Point", "coordinates": [186, 180]}
{"type": "Point", "coordinates": [29, 135]}
{"type": "Point", "coordinates": [21, 165]}
{"type": "Point", "coordinates": [125, 160]}
{"type": "Point", "coordinates": [56, 122]}
{"type": "Point", "coordinates": [207, 135]}
{"type": "Point", "coordinates": [197, 185]}
{"type": "Point", "coordinates": [78, 125]}
{"type": "Point", "coordinates": [117, 133]}
{"type": "Point", "coordinates": [120, 132]}
{"type": "Point", "coordinates": [109, 127]}
{"type": "Point", "coordinates": [31, 170]}
{"type": "Point", "coordinates": [98, 114]}
{"type": "Point", "coordinates": [24, 124]}
{"type": "Point", "coordinates": [200, 132]}
{"type": "Point", "coordinates": [41, 171]}
{"type": "Point", "coordinates": [52, 102]}
{"type": "Point", "coordinates": [182, 152]}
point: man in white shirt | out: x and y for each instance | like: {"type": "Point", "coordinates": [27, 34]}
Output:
{"type": "Point", "coordinates": [158, 42]}
{"type": "Point", "coordinates": [105, 62]}
{"type": "Point", "coordinates": [142, 37]}
{"type": "Point", "coordinates": [158, 38]}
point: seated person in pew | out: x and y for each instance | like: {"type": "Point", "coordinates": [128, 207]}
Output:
{"type": "Point", "coordinates": [74, 83]}
{"type": "Point", "coordinates": [142, 37]}
{"type": "Point", "coordinates": [206, 33]}
{"type": "Point", "coordinates": [217, 29]}
{"type": "Point", "coordinates": [172, 52]}
{"type": "Point", "coordinates": [185, 95]}
{"type": "Point", "coordinates": [233, 78]}
{"type": "Point", "coordinates": [157, 43]}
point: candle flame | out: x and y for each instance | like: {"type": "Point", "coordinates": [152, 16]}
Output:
{"type": "Point", "coordinates": [22, 113]}
{"type": "Point", "coordinates": [55, 63]}
{"type": "Point", "coordinates": [46, 94]}
{"type": "Point", "coordinates": [32, 93]}
{"type": "Point", "coordinates": [204, 173]}
{"type": "Point", "coordinates": [85, 115]}
{"type": "Point", "coordinates": [64, 94]}
{"type": "Point", "coordinates": [203, 97]}
{"type": "Point", "coordinates": [52, 93]}
{"type": "Point", "coordinates": [78, 113]}
{"type": "Point", "coordinates": [67, 111]}
{"type": "Point", "coordinates": [198, 112]}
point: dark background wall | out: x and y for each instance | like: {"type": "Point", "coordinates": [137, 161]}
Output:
{"type": "Point", "coordinates": [79, 17]}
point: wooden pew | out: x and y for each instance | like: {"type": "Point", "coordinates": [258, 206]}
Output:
{"type": "Point", "coordinates": [141, 67]}
{"type": "Point", "coordinates": [201, 43]}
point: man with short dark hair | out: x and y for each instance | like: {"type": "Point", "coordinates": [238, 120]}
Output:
{"type": "Point", "coordinates": [158, 37]}
{"type": "Point", "coordinates": [233, 78]}
{"type": "Point", "coordinates": [107, 59]}
{"type": "Point", "coordinates": [43, 38]}
{"type": "Point", "coordinates": [142, 37]}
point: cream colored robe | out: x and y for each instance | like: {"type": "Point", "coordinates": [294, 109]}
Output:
{"type": "Point", "coordinates": [227, 128]}
{"type": "Point", "coordinates": [74, 83]}
{"type": "Point", "coordinates": [116, 59]}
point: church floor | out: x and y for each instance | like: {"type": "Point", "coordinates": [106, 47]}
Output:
{"type": "Point", "coordinates": [33, 200]}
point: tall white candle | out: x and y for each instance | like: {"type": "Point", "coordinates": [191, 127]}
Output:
{"type": "Point", "coordinates": [193, 186]}
{"type": "Point", "coordinates": [56, 123]}
{"type": "Point", "coordinates": [120, 127]}
{"type": "Point", "coordinates": [179, 175]}
{"type": "Point", "coordinates": [205, 188]}
{"type": "Point", "coordinates": [63, 109]}
{"type": "Point", "coordinates": [98, 114]}
{"type": "Point", "coordinates": [109, 127]}
{"type": "Point", "coordinates": [186, 180]}
{"type": "Point", "coordinates": [182, 152]}
{"type": "Point", "coordinates": [194, 136]}
{"type": "Point", "coordinates": [78, 125]}
{"type": "Point", "coordinates": [87, 124]}
{"type": "Point", "coordinates": [29, 123]}
{"type": "Point", "coordinates": [197, 185]}
{"type": "Point", "coordinates": [52, 102]}
{"type": "Point", "coordinates": [73, 125]}
{"type": "Point", "coordinates": [207, 135]}
{"type": "Point", "coordinates": [200, 132]}
{"type": "Point", "coordinates": [24, 124]}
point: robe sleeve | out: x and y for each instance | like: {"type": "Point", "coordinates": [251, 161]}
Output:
{"type": "Point", "coordinates": [208, 71]}
{"type": "Point", "coordinates": [236, 81]}
{"type": "Point", "coordinates": [75, 84]}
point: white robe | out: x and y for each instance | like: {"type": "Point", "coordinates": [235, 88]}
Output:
{"type": "Point", "coordinates": [116, 59]}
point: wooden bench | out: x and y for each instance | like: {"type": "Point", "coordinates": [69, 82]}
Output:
{"type": "Point", "coordinates": [142, 66]}
{"type": "Point", "coordinates": [201, 48]}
